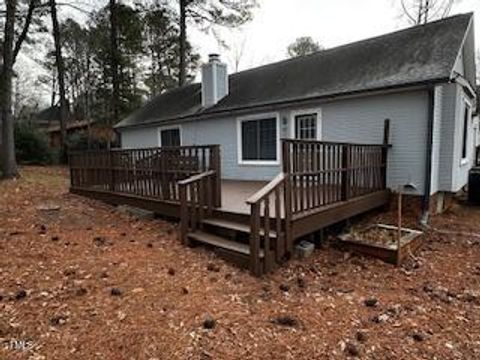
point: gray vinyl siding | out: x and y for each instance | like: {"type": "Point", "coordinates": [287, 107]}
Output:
{"type": "Point", "coordinates": [461, 169]}
{"type": "Point", "coordinates": [139, 137]}
{"type": "Point", "coordinates": [361, 121]}
{"type": "Point", "coordinates": [357, 120]}
{"type": "Point", "coordinates": [453, 174]}
{"type": "Point", "coordinates": [224, 132]}
{"type": "Point", "coordinates": [449, 104]}
{"type": "Point", "coordinates": [437, 138]}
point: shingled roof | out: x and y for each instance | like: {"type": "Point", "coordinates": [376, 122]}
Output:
{"type": "Point", "coordinates": [420, 54]}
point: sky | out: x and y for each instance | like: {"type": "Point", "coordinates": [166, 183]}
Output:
{"type": "Point", "coordinates": [277, 23]}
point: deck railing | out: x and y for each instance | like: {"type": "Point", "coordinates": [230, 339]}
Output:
{"type": "Point", "coordinates": [197, 200]}
{"type": "Point", "coordinates": [315, 174]}
{"type": "Point", "coordinates": [267, 227]}
{"type": "Point", "coordinates": [321, 173]}
{"type": "Point", "coordinates": [149, 172]}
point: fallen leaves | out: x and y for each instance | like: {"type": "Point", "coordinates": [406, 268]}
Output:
{"type": "Point", "coordinates": [101, 283]}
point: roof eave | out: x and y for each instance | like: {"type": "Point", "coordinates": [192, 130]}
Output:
{"type": "Point", "coordinates": [286, 103]}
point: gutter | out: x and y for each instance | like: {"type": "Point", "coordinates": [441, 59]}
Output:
{"type": "Point", "coordinates": [428, 158]}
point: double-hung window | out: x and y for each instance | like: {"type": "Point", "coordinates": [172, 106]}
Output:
{"type": "Point", "coordinates": [170, 136]}
{"type": "Point", "coordinates": [258, 139]}
{"type": "Point", "coordinates": [306, 126]}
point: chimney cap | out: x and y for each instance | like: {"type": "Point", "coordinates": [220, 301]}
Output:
{"type": "Point", "coordinates": [213, 57]}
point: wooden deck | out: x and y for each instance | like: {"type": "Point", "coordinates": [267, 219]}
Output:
{"type": "Point", "coordinates": [252, 223]}
{"type": "Point", "coordinates": [235, 194]}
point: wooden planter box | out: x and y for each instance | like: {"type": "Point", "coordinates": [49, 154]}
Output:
{"type": "Point", "coordinates": [387, 250]}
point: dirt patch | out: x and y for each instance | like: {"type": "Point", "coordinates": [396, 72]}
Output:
{"type": "Point", "coordinates": [377, 236]}
{"type": "Point", "coordinates": [86, 281]}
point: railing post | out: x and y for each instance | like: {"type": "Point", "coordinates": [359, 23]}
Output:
{"type": "Point", "coordinates": [386, 138]}
{"type": "Point", "coordinates": [112, 175]}
{"type": "Point", "coordinates": [215, 164]}
{"type": "Point", "coordinates": [287, 191]}
{"type": "Point", "coordinates": [69, 159]}
{"type": "Point", "coordinates": [345, 179]}
{"type": "Point", "coordinates": [285, 157]}
{"type": "Point", "coordinates": [183, 213]}
{"type": "Point", "coordinates": [255, 239]}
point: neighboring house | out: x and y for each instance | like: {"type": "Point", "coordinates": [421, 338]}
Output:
{"type": "Point", "coordinates": [48, 120]}
{"type": "Point", "coordinates": [421, 78]}
{"type": "Point", "coordinates": [73, 127]}
{"type": "Point", "coordinates": [47, 117]}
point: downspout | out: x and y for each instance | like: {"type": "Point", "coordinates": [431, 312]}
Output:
{"type": "Point", "coordinates": [428, 158]}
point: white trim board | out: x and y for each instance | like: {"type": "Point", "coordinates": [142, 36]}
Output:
{"type": "Point", "coordinates": [169, 127]}
{"type": "Point", "coordinates": [259, 116]}
{"type": "Point", "coordinates": [306, 111]}
{"type": "Point", "coordinates": [465, 101]}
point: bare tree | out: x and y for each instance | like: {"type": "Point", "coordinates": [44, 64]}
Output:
{"type": "Point", "coordinates": [9, 164]}
{"type": "Point", "coordinates": [205, 14]}
{"type": "Point", "coordinates": [10, 49]}
{"type": "Point", "coordinates": [237, 52]}
{"type": "Point", "coordinates": [183, 40]}
{"type": "Point", "coordinates": [114, 61]}
{"type": "Point", "coordinates": [422, 11]}
{"type": "Point", "coordinates": [61, 77]}
{"type": "Point", "coordinates": [303, 46]}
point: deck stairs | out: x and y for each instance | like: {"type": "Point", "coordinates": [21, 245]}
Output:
{"type": "Point", "coordinates": [229, 238]}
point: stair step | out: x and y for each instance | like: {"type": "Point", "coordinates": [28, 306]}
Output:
{"type": "Point", "coordinates": [231, 225]}
{"type": "Point", "coordinates": [221, 242]}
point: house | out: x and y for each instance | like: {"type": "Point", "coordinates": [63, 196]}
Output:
{"type": "Point", "coordinates": [255, 161]}
{"type": "Point", "coordinates": [72, 127]}
{"type": "Point", "coordinates": [421, 78]}
{"type": "Point", "coordinates": [47, 117]}
{"type": "Point", "coordinates": [48, 120]}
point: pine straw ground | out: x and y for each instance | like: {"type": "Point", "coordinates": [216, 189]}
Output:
{"type": "Point", "coordinates": [68, 261]}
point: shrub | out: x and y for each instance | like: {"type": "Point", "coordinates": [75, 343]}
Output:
{"type": "Point", "coordinates": [31, 145]}
{"type": "Point", "coordinates": [79, 142]}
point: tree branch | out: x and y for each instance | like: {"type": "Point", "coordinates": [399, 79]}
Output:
{"type": "Point", "coordinates": [407, 12]}
{"type": "Point", "coordinates": [26, 26]}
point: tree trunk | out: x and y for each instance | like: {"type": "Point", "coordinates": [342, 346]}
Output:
{"type": "Point", "coordinates": [183, 42]}
{"type": "Point", "coordinates": [8, 163]}
{"type": "Point", "coordinates": [87, 103]}
{"type": "Point", "coordinates": [54, 89]}
{"type": "Point", "coordinates": [115, 62]}
{"type": "Point", "coordinates": [23, 35]}
{"type": "Point", "coordinates": [61, 79]}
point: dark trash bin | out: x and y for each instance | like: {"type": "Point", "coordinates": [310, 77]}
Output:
{"type": "Point", "coordinates": [474, 186]}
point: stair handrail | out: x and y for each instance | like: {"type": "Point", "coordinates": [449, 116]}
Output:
{"type": "Point", "coordinates": [197, 200]}
{"type": "Point", "coordinates": [261, 224]}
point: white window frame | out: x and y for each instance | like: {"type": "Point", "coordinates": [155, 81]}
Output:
{"type": "Point", "coordinates": [466, 106]}
{"type": "Point", "coordinates": [295, 113]}
{"type": "Point", "coordinates": [169, 127]}
{"type": "Point", "coordinates": [264, 116]}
